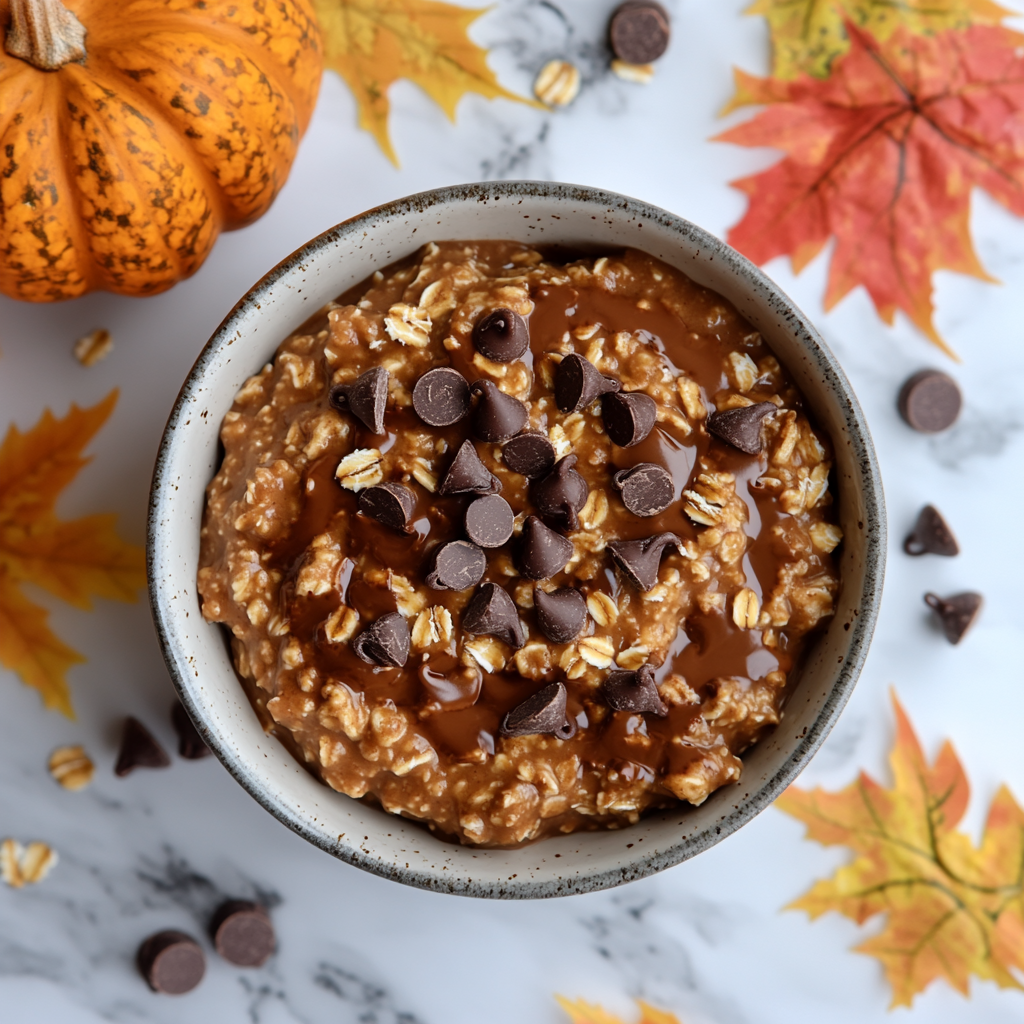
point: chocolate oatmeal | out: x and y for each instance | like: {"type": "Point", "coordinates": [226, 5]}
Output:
{"type": "Point", "coordinates": [514, 546]}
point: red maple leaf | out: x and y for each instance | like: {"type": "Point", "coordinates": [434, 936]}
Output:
{"type": "Point", "coordinates": [883, 154]}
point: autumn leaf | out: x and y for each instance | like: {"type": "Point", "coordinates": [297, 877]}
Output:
{"type": "Point", "coordinates": [883, 156]}
{"type": "Point", "coordinates": [581, 1012]}
{"type": "Point", "coordinates": [952, 909]}
{"type": "Point", "coordinates": [75, 560]}
{"type": "Point", "coordinates": [373, 43]}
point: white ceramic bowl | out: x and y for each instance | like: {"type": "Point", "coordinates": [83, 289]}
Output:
{"type": "Point", "coordinates": [197, 653]}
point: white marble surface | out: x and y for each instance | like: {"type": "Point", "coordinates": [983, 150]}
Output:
{"type": "Point", "coordinates": [708, 939]}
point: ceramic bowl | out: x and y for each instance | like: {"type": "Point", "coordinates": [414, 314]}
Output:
{"type": "Point", "coordinates": [197, 652]}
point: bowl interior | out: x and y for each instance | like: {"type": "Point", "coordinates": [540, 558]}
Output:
{"type": "Point", "coordinates": [197, 654]}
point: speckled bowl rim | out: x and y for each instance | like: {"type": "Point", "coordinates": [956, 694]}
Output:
{"type": "Point", "coordinates": [642, 864]}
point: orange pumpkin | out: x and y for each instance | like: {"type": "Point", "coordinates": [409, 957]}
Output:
{"type": "Point", "coordinates": [132, 132]}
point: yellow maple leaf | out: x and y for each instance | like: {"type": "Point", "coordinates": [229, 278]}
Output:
{"type": "Point", "coordinates": [75, 560]}
{"type": "Point", "coordinates": [952, 909]}
{"type": "Point", "coordinates": [373, 43]}
{"type": "Point", "coordinates": [581, 1012]}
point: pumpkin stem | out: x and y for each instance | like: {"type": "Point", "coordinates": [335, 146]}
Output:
{"type": "Point", "coordinates": [45, 33]}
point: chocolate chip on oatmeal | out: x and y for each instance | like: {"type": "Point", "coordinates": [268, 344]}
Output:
{"type": "Point", "coordinates": [468, 475]}
{"type": "Point", "coordinates": [242, 933]}
{"type": "Point", "coordinates": [741, 427]}
{"type": "Point", "coordinates": [489, 521]}
{"type": "Point", "coordinates": [457, 565]}
{"type": "Point", "coordinates": [502, 336]}
{"type": "Point", "coordinates": [640, 559]}
{"type": "Point", "coordinates": [930, 401]}
{"type": "Point", "coordinates": [578, 383]}
{"type": "Point", "coordinates": [544, 712]}
{"type": "Point", "coordinates": [542, 552]}
{"type": "Point", "coordinates": [560, 614]}
{"type": "Point", "coordinates": [386, 642]}
{"type": "Point", "coordinates": [931, 535]}
{"type": "Point", "coordinates": [639, 31]}
{"type": "Point", "coordinates": [366, 399]}
{"type": "Point", "coordinates": [561, 495]}
{"type": "Point", "coordinates": [191, 745]}
{"type": "Point", "coordinates": [646, 488]}
{"type": "Point", "coordinates": [629, 416]}
{"type": "Point", "coordinates": [497, 416]}
{"type": "Point", "coordinates": [956, 613]}
{"type": "Point", "coordinates": [530, 454]}
{"type": "Point", "coordinates": [389, 504]}
{"type": "Point", "coordinates": [171, 962]}
{"type": "Point", "coordinates": [139, 749]}
{"type": "Point", "coordinates": [635, 692]}
{"type": "Point", "coordinates": [441, 397]}
{"type": "Point", "coordinates": [491, 612]}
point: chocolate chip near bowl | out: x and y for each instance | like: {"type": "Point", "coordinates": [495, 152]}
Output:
{"type": "Point", "coordinates": [593, 651]}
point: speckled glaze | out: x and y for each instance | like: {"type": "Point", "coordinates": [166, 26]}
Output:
{"type": "Point", "coordinates": [197, 653]}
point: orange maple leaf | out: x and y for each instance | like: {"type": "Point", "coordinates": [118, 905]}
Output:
{"type": "Point", "coordinates": [883, 155]}
{"type": "Point", "coordinates": [74, 560]}
{"type": "Point", "coordinates": [581, 1012]}
{"type": "Point", "coordinates": [952, 909]}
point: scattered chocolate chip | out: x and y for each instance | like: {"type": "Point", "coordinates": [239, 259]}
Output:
{"type": "Point", "coordinates": [491, 612]}
{"type": "Point", "coordinates": [544, 712]}
{"type": "Point", "coordinates": [561, 495]}
{"type": "Point", "coordinates": [640, 559]}
{"type": "Point", "coordinates": [139, 749]}
{"type": "Point", "coordinates": [629, 416]}
{"type": "Point", "coordinates": [457, 565]}
{"type": "Point", "coordinates": [171, 962]}
{"type": "Point", "coordinates": [390, 504]}
{"type": "Point", "coordinates": [542, 552]}
{"type": "Point", "coordinates": [441, 397]}
{"type": "Point", "coordinates": [578, 383]}
{"type": "Point", "coordinates": [957, 613]}
{"type": "Point", "coordinates": [635, 692]}
{"type": "Point", "coordinates": [497, 416]}
{"type": "Point", "coordinates": [530, 454]}
{"type": "Point", "coordinates": [386, 642]}
{"type": "Point", "coordinates": [930, 401]}
{"type": "Point", "coordinates": [741, 427]}
{"type": "Point", "coordinates": [646, 488]}
{"type": "Point", "coordinates": [489, 521]}
{"type": "Point", "coordinates": [639, 31]}
{"type": "Point", "coordinates": [190, 744]}
{"type": "Point", "coordinates": [468, 475]}
{"type": "Point", "coordinates": [242, 933]}
{"type": "Point", "coordinates": [502, 336]}
{"type": "Point", "coordinates": [560, 614]}
{"type": "Point", "coordinates": [365, 399]}
{"type": "Point", "coordinates": [931, 535]}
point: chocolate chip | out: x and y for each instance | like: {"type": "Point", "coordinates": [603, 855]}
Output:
{"type": "Point", "coordinates": [957, 613]}
{"type": "Point", "coordinates": [386, 642]}
{"type": "Point", "coordinates": [741, 427]}
{"type": "Point", "coordinates": [390, 504]}
{"type": "Point", "coordinates": [561, 495]}
{"type": "Point", "coordinates": [171, 962]}
{"type": "Point", "coordinates": [489, 521]}
{"type": "Point", "coordinates": [931, 535]}
{"type": "Point", "coordinates": [639, 31]}
{"type": "Point", "coordinates": [560, 614]}
{"type": "Point", "coordinates": [542, 552]}
{"type": "Point", "coordinates": [139, 749]}
{"type": "Point", "coordinates": [190, 744]}
{"type": "Point", "coordinates": [491, 612]}
{"type": "Point", "coordinates": [578, 383]}
{"type": "Point", "coordinates": [530, 454]}
{"type": "Point", "coordinates": [635, 692]}
{"type": "Point", "coordinates": [441, 397]}
{"type": "Point", "coordinates": [544, 712]}
{"type": "Point", "coordinates": [242, 933]}
{"type": "Point", "coordinates": [502, 336]}
{"type": "Point", "coordinates": [365, 399]}
{"type": "Point", "coordinates": [457, 565]}
{"type": "Point", "coordinates": [640, 559]}
{"type": "Point", "coordinates": [629, 416]}
{"type": "Point", "coordinates": [497, 416]}
{"type": "Point", "coordinates": [646, 488]}
{"type": "Point", "coordinates": [930, 401]}
{"type": "Point", "coordinates": [468, 475]}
